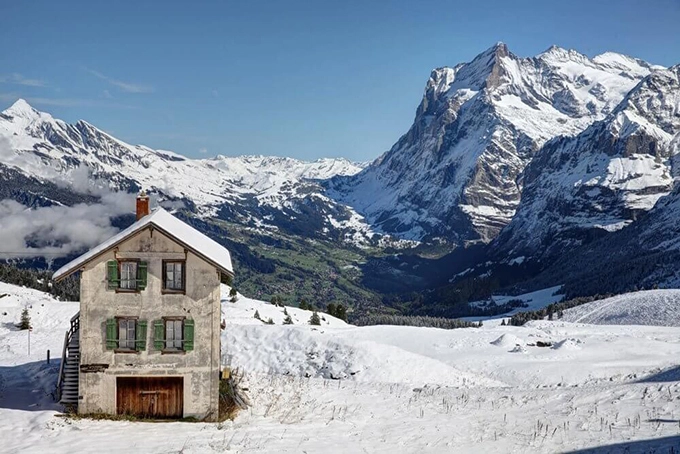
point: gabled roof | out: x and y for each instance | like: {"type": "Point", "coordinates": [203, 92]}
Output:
{"type": "Point", "coordinates": [187, 236]}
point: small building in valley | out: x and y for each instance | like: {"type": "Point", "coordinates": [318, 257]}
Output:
{"type": "Point", "coordinates": [146, 341]}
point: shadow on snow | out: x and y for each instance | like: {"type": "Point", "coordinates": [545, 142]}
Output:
{"type": "Point", "coordinates": [665, 445]}
{"type": "Point", "coordinates": [29, 386]}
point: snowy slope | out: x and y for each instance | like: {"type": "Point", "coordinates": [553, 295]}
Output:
{"type": "Point", "coordinates": [458, 171]}
{"type": "Point", "coordinates": [604, 178]}
{"type": "Point", "coordinates": [531, 301]}
{"type": "Point", "coordinates": [651, 307]}
{"type": "Point", "coordinates": [599, 386]}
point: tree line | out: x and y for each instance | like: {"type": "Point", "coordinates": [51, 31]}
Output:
{"type": "Point", "coordinates": [414, 320]}
{"type": "Point", "coordinates": [66, 290]}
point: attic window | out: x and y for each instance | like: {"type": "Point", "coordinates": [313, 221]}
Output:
{"type": "Point", "coordinates": [174, 273]}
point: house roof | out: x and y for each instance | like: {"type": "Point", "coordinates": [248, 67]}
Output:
{"type": "Point", "coordinates": [160, 219]}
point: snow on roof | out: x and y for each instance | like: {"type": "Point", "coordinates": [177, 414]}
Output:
{"type": "Point", "coordinates": [169, 224]}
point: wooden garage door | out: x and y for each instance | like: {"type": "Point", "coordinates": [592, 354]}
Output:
{"type": "Point", "coordinates": [150, 397]}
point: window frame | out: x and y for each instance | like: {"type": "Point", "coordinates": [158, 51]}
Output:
{"type": "Point", "coordinates": [120, 289]}
{"type": "Point", "coordinates": [118, 348]}
{"type": "Point", "coordinates": [164, 289]}
{"type": "Point", "coordinates": [172, 351]}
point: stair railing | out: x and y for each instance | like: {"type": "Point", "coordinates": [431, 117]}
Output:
{"type": "Point", "coordinates": [75, 325]}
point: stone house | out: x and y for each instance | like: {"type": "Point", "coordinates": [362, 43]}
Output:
{"type": "Point", "coordinates": [146, 341]}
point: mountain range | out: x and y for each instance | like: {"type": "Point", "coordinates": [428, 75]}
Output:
{"type": "Point", "coordinates": [512, 166]}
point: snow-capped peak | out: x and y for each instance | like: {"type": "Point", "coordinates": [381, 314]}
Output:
{"type": "Point", "coordinates": [556, 53]}
{"type": "Point", "coordinates": [22, 109]}
{"type": "Point", "coordinates": [458, 171]}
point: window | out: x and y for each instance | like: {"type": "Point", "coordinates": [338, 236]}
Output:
{"type": "Point", "coordinates": [125, 334]}
{"type": "Point", "coordinates": [126, 275]}
{"type": "Point", "coordinates": [173, 276]}
{"type": "Point", "coordinates": [174, 335]}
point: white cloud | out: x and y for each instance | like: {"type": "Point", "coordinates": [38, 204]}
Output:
{"type": "Point", "coordinates": [58, 230]}
{"type": "Point", "coordinates": [203, 150]}
{"type": "Point", "coordinates": [63, 102]}
{"type": "Point", "coordinates": [18, 79]}
{"type": "Point", "coordinates": [123, 86]}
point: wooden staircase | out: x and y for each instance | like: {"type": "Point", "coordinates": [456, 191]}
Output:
{"type": "Point", "coordinates": [69, 370]}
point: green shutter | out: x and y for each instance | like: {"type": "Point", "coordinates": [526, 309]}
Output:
{"type": "Point", "coordinates": [188, 335]}
{"type": "Point", "coordinates": [140, 343]}
{"type": "Point", "coordinates": [112, 274]}
{"type": "Point", "coordinates": [142, 269]}
{"type": "Point", "coordinates": [111, 338]}
{"type": "Point", "coordinates": [158, 335]}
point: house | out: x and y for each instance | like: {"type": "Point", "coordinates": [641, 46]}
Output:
{"type": "Point", "coordinates": [146, 341]}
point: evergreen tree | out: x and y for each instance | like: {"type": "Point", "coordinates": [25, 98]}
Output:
{"type": "Point", "coordinates": [233, 295]}
{"type": "Point", "coordinates": [341, 312]}
{"type": "Point", "coordinates": [314, 319]}
{"type": "Point", "coordinates": [257, 315]}
{"type": "Point", "coordinates": [270, 321]}
{"type": "Point", "coordinates": [331, 309]}
{"type": "Point", "coordinates": [503, 322]}
{"type": "Point", "coordinates": [288, 320]}
{"type": "Point", "coordinates": [25, 319]}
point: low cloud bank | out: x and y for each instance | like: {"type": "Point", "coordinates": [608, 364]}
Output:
{"type": "Point", "coordinates": [58, 231]}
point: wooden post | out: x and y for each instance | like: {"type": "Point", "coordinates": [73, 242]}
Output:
{"type": "Point", "coordinates": [48, 356]}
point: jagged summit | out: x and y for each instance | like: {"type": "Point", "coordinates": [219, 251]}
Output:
{"type": "Point", "coordinates": [458, 172]}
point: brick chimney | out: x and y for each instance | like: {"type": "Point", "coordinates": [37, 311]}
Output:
{"type": "Point", "coordinates": [142, 205]}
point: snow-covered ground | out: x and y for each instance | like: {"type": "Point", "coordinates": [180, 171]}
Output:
{"type": "Point", "coordinates": [340, 388]}
{"type": "Point", "coordinates": [652, 307]}
{"type": "Point", "coordinates": [533, 301]}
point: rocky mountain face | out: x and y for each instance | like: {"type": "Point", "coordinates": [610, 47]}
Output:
{"type": "Point", "coordinates": [251, 190]}
{"type": "Point", "coordinates": [603, 179]}
{"type": "Point", "coordinates": [458, 172]}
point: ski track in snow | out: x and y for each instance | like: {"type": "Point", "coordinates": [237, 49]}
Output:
{"type": "Point", "coordinates": [412, 389]}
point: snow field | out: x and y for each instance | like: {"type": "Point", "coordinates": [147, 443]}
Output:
{"type": "Point", "coordinates": [340, 388]}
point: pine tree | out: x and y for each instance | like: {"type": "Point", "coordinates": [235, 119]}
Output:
{"type": "Point", "coordinates": [288, 320]}
{"type": "Point", "coordinates": [257, 315]}
{"type": "Point", "coordinates": [269, 321]}
{"type": "Point", "coordinates": [233, 295]}
{"type": "Point", "coordinates": [314, 319]}
{"type": "Point", "coordinates": [341, 312]}
{"type": "Point", "coordinates": [331, 309]}
{"type": "Point", "coordinates": [25, 319]}
{"type": "Point", "coordinates": [503, 322]}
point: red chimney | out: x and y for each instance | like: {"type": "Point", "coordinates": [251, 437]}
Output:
{"type": "Point", "coordinates": [142, 205]}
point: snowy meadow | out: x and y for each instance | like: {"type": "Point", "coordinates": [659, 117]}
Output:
{"type": "Point", "coordinates": [592, 387]}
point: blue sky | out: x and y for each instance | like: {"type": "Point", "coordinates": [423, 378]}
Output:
{"type": "Point", "coordinates": [288, 78]}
